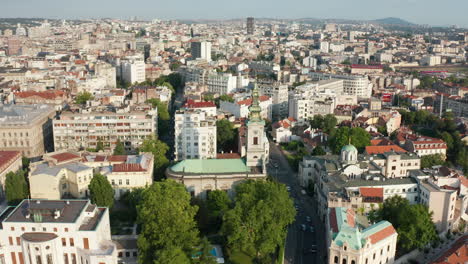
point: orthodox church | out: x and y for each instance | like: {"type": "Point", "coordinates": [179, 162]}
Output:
{"type": "Point", "coordinates": [201, 176]}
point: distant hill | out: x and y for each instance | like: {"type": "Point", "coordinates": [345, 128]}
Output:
{"type": "Point", "coordinates": [393, 21]}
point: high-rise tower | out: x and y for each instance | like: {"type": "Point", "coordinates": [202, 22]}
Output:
{"type": "Point", "coordinates": [250, 25]}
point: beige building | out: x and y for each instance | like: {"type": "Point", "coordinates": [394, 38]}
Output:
{"type": "Point", "coordinates": [10, 161]}
{"type": "Point", "coordinates": [56, 231]}
{"type": "Point", "coordinates": [68, 174]}
{"type": "Point", "coordinates": [84, 128]}
{"type": "Point", "coordinates": [26, 128]}
{"type": "Point", "coordinates": [441, 203]}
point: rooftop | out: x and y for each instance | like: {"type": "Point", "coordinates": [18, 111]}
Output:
{"type": "Point", "coordinates": [201, 166]}
{"type": "Point", "coordinates": [7, 157]}
{"type": "Point", "coordinates": [23, 114]}
{"type": "Point", "coordinates": [29, 211]}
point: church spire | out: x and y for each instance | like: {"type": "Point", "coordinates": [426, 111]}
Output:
{"type": "Point", "coordinates": [255, 108]}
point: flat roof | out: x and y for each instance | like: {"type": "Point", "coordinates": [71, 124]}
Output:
{"type": "Point", "coordinates": [70, 210]}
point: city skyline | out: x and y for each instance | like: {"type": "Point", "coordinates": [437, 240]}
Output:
{"type": "Point", "coordinates": [411, 10]}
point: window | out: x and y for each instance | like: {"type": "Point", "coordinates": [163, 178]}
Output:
{"type": "Point", "coordinates": [49, 259]}
{"type": "Point", "coordinates": [65, 258]}
{"type": "Point", "coordinates": [73, 258]}
{"type": "Point", "coordinates": [13, 257]}
{"type": "Point", "coordinates": [255, 140]}
{"type": "Point", "coordinates": [55, 229]}
{"type": "Point", "coordinates": [12, 228]}
{"type": "Point", "coordinates": [66, 229]}
{"type": "Point", "coordinates": [373, 256]}
{"type": "Point", "coordinates": [72, 242]}
{"type": "Point", "coordinates": [344, 261]}
{"type": "Point", "coordinates": [85, 243]}
{"type": "Point", "coordinates": [127, 254]}
{"type": "Point", "coordinates": [388, 248]}
{"type": "Point", "coordinates": [22, 228]}
{"type": "Point", "coordinates": [10, 239]}
{"type": "Point", "coordinates": [18, 241]}
{"type": "Point", "coordinates": [64, 242]}
{"type": "Point", "coordinates": [128, 182]}
{"type": "Point", "coordinates": [120, 182]}
{"type": "Point", "coordinates": [335, 260]}
{"type": "Point", "coordinates": [38, 259]}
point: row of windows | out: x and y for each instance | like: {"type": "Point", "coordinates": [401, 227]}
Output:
{"type": "Point", "coordinates": [43, 229]}
{"type": "Point", "coordinates": [15, 134]}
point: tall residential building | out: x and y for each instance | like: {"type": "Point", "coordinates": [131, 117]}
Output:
{"type": "Point", "coordinates": [195, 135]}
{"type": "Point", "coordinates": [133, 71]}
{"type": "Point", "coordinates": [107, 71]}
{"type": "Point", "coordinates": [56, 231]}
{"type": "Point", "coordinates": [222, 83]}
{"type": "Point", "coordinates": [250, 25]}
{"type": "Point", "coordinates": [26, 128]}
{"type": "Point", "coordinates": [82, 129]}
{"type": "Point", "coordinates": [201, 50]}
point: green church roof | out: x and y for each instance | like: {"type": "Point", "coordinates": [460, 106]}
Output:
{"type": "Point", "coordinates": [349, 148]}
{"type": "Point", "coordinates": [207, 166]}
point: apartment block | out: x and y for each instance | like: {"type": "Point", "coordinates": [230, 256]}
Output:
{"type": "Point", "coordinates": [195, 135]}
{"type": "Point", "coordinates": [84, 128]}
{"type": "Point", "coordinates": [26, 128]}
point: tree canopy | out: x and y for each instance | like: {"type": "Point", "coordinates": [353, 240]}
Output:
{"type": "Point", "coordinates": [83, 97]}
{"type": "Point", "coordinates": [119, 148]}
{"type": "Point", "coordinates": [318, 151]}
{"type": "Point", "coordinates": [163, 115]}
{"type": "Point", "coordinates": [327, 123]}
{"type": "Point", "coordinates": [412, 222]}
{"type": "Point", "coordinates": [168, 229]}
{"type": "Point", "coordinates": [429, 161]}
{"type": "Point", "coordinates": [16, 187]}
{"type": "Point", "coordinates": [257, 223]}
{"type": "Point", "coordinates": [225, 135]}
{"type": "Point", "coordinates": [360, 138]}
{"type": "Point", "coordinates": [101, 191]}
{"type": "Point", "coordinates": [159, 150]}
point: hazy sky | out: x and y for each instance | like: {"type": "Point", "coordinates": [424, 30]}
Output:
{"type": "Point", "coordinates": [433, 12]}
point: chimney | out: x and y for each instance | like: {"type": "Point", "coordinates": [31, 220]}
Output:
{"type": "Point", "coordinates": [56, 213]}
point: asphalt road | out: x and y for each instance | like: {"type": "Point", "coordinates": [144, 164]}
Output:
{"type": "Point", "coordinates": [298, 240]}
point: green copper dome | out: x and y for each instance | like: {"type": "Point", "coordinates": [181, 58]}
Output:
{"type": "Point", "coordinates": [349, 148]}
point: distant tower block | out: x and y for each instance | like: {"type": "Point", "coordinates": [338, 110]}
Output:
{"type": "Point", "coordinates": [250, 25]}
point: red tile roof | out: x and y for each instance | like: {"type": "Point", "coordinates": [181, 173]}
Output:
{"type": "Point", "coordinates": [8, 157]}
{"type": "Point", "coordinates": [44, 94]}
{"type": "Point", "coordinates": [382, 234]}
{"type": "Point", "coordinates": [457, 253]}
{"type": "Point", "coordinates": [127, 167]}
{"type": "Point", "coordinates": [249, 101]}
{"type": "Point", "coordinates": [360, 66]}
{"type": "Point", "coordinates": [228, 156]}
{"type": "Point", "coordinates": [382, 149]}
{"type": "Point", "coordinates": [117, 158]}
{"type": "Point", "coordinates": [371, 192]}
{"type": "Point", "coordinates": [193, 104]}
{"type": "Point", "coordinates": [65, 156]}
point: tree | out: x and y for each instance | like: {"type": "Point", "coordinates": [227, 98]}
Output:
{"type": "Point", "coordinates": [99, 146]}
{"type": "Point", "coordinates": [327, 123]}
{"type": "Point", "coordinates": [217, 203]}
{"type": "Point", "coordinates": [258, 221]}
{"type": "Point", "coordinates": [132, 199]}
{"type": "Point", "coordinates": [159, 150]}
{"type": "Point", "coordinates": [83, 97]}
{"type": "Point", "coordinates": [209, 98]}
{"type": "Point", "coordinates": [119, 148]}
{"type": "Point", "coordinates": [168, 229]}
{"type": "Point", "coordinates": [360, 138]}
{"type": "Point", "coordinates": [163, 115]}
{"type": "Point", "coordinates": [225, 135]}
{"type": "Point", "coordinates": [318, 151]}
{"type": "Point", "coordinates": [16, 187]}
{"type": "Point", "coordinates": [226, 98]}
{"type": "Point", "coordinates": [428, 161]}
{"type": "Point", "coordinates": [101, 191]}
{"type": "Point", "coordinates": [412, 222]}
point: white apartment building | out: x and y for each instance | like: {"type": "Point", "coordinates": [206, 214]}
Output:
{"type": "Point", "coordinates": [279, 95]}
{"type": "Point", "coordinates": [195, 135]}
{"type": "Point", "coordinates": [352, 84]}
{"type": "Point", "coordinates": [221, 83]}
{"type": "Point", "coordinates": [431, 60]}
{"type": "Point", "coordinates": [201, 50]}
{"type": "Point", "coordinates": [314, 99]}
{"type": "Point", "coordinates": [56, 231]}
{"type": "Point", "coordinates": [324, 46]}
{"type": "Point", "coordinates": [84, 128]}
{"type": "Point", "coordinates": [310, 62]}
{"type": "Point", "coordinates": [208, 107]}
{"type": "Point", "coordinates": [133, 71]}
{"type": "Point", "coordinates": [241, 109]}
{"type": "Point", "coordinates": [107, 71]}
{"type": "Point", "coordinates": [336, 47]}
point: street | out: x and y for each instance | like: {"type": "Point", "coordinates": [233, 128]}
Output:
{"type": "Point", "coordinates": [299, 241]}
